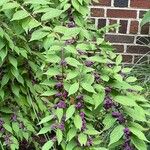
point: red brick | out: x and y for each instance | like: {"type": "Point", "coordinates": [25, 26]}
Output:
{"type": "Point", "coordinates": [103, 3]}
{"type": "Point", "coordinates": [134, 27]}
{"type": "Point", "coordinates": [140, 3]}
{"type": "Point", "coordinates": [97, 12]}
{"type": "Point", "coordinates": [138, 49]}
{"type": "Point", "coordinates": [123, 26]}
{"type": "Point", "coordinates": [101, 23]}
{"type": "Point", "coordinates": [127, 58]}
{"type": "Point", "coordinates": [119, 48]}
{"type": "Point", "coordinates": [119, 38]}
{"type": "Point", "coordinates": [119, 13]}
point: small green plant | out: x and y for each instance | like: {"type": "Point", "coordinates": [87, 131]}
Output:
{"type": "Point", "coordinates": [57, 66]}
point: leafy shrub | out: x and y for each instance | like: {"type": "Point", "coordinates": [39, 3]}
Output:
{"type": "Point", "coordinates": [57, 66]}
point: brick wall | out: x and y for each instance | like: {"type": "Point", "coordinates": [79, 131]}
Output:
{"type": "Point", "coordinates": [129, 39]}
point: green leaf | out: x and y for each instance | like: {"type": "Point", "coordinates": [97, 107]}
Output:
{"type": "Point", "coordinates": [72, 74]}
{"type": "Point", "coordinates": [71, 145]}
{"type": "Point", "coordinates": [13, 61]}
{"type": "Point", "coordinates": [138, 133]}
{"type": "Point", "coordinates": [73, 88]}
{"type": "Point", "coordinates": [49, 93]}
{"type": "Point", "coordinates": [71, 32]}
{"type": "Point", "coordinates": [16, 90]}
{"type": "Point", "coordinates": [70, 111]}
{"type": "Point", "coordinates": [52, 13]}
{"type": "Point", "coordinates": [44, 130]}
{"type": "Point", "coordinates": [3, 54]}
{"type": "Point", "coordinates": [38, 35]}
{"type": "Point", "coordinates": [118, 59]}
{"type": "Point", "coordinates": [98, 98]}
{"type": "Point", "coordinates": [146, 18]}
{"type": "Point", "coordinates": [76, 5]}
{"type": "Point", "coordinates": [125, 100]}
{"type": "Point", "coordinates": [71, 134]}
{"type": "Point", "coordinates": [91, 132]}
{"type": "Point", "coordinates": [10, 5]}
{"type": "Point", "coordinates": [52, 72]}
{"type": "Point", "coordinates": [116, 134]}
{"type": "Point", "coordinates": [59, 136]}
{"type": "Point", "coordinates": [41, 2]}
{"type": "Point", "coordinates": [139, 144]}
{"type": "Point", "coordinates": [131, 79]}
{"type": "Point", "coordinates": [136, 114]}
{"type": "Point", "coordinates": [88, 87]}
{"type": "Point", "coordinates": [48, 145]}
{"type": "Point", "coordinates": [2, 94]}
{"type": "Point", "coordinates": [82, 138]}
{"type": "Point", "coordinates": [21, 14]}
{"type": "Point", "coordinates": [78, 122]}
{"type": "Point", "coordinates": [100, 41]}
{"type": "Point", "coordinates": [8, 128]}
{"type": "Point", "coordinates": [46, 119]}
{"type": "Point", "coordinates": [71, 49]}
{"type": "Point", "coordinates": [126, 70]}
{"type": "Point", "coordinates": [118, 77]}
{"type": "Point", "coordinates": [4, 80]}
{"type": "Point", "coordinates": [59, 113]}
{"type": "Point", "coordinates": [72, 62]}
{"type": "Point", "coordinates": [15, 127]}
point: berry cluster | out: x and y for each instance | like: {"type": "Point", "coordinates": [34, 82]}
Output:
{"type": "Point", "coordinates": [127, 134]}
{"type": "Point", "coordinates": [119, 116]}
{"type": "Point", "coordinates": [89, 141]}
{"type": "Point", "coordinates": [82, 114]}
{"type": "Point", "coordinates": [79, 104]}
{"type": "Point", "coordinates": [109, 104]}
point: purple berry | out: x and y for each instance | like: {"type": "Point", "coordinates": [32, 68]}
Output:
{"type": "Point", "coordinates": [62, 126]}
{"type": "Point", "coordinates": [7, 139]}
{"type": "Point", "coordinates": [83, 124]}
{"type": "Point", "coordinates": [71, 24]}
{"type": "Point", "coordinates": [81, 52]}
{"type": "Point", "coordinates": [119, 116]}
{"type": "Point", "coordinates": [127, 146]}
{"type": "Point", "coordinates": [108, 103]}
{"type": "Point", "coordinates": [96, 76]}
{"type": "Point", "coordinates": [121, 119]}
{"type": "Point", "coordinates": [115, 114]}
{"type": "Point", "coordinates": [82, 114]}
{"type": "Point", "coordinates": [79, 105]}
{"type": "Point", "coordinates": [89, 63]}
{"type": "Point", "coordinates": [53, 127]}
{"type": "Point", "coordinates": [89, 142]}
{"type": "Point", "coordinates": [61, 104]}
{"type": "Point", "coordinates": [79, 97]}
{"type": "Point", "coordinates": [59, 95]}
{"type": "Point", "coordinates": [59, 86]}
{"type": "Point", "coordinates": [63, 63]}
{"type": "Point", "coordinates": [108, 90]}
{"type": "Point", "coordinates": [59, 77]}
{"type": "Point", "coordinates": [14, 117]}
{"type": "Point", "coordinates": [70, 41]}
{"type": "Point", "coordinates": [65, 94]}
